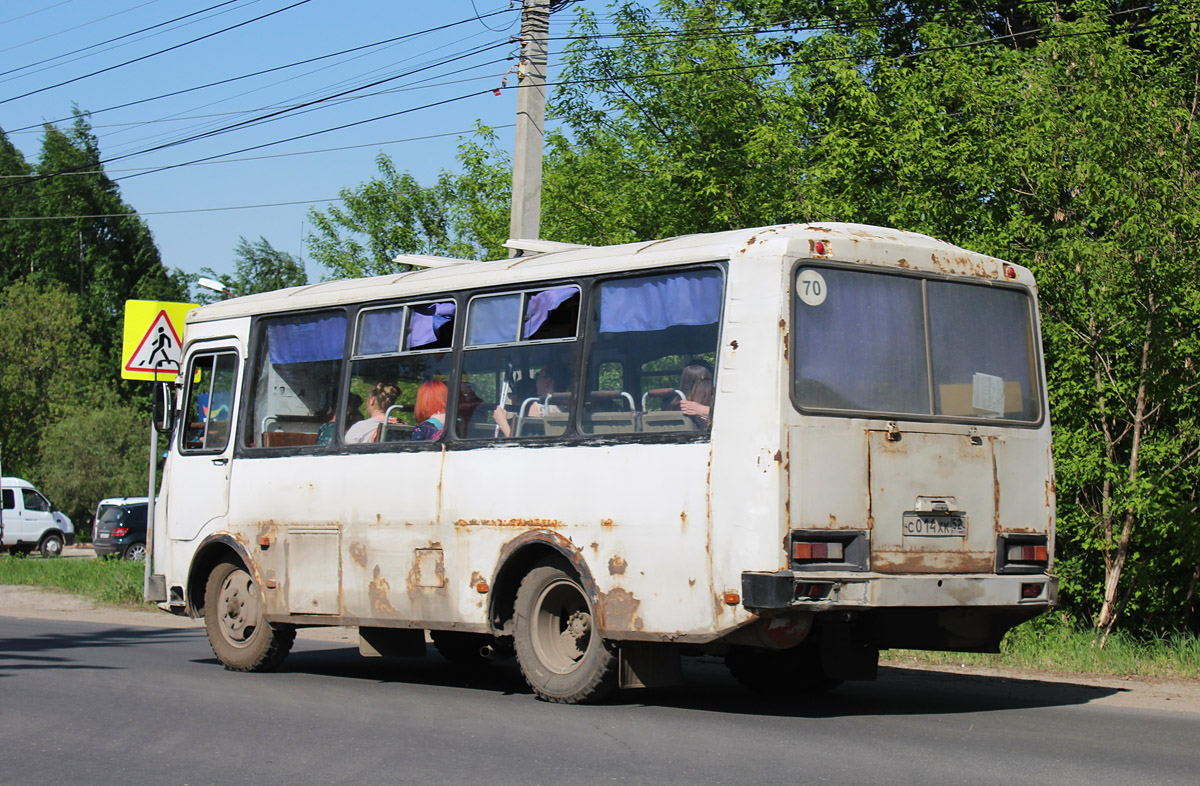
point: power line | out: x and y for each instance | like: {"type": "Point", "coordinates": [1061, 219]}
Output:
{"type": "Point", "coordinates": [219, 82]}
{"type": "Point", "coordinates": [261, 158]}
{"type": "Point", "coordinates": [109, 41]}
{"type": "Point", "coordinates": [155, 54]}
{"type": "Point", "coordinates": [40, 10]}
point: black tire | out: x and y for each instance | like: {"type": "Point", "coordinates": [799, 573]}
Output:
{"type": "Point", "coordinates": [794, 673]}
{"type": "Point", "coordinates": [135, 551]}
{"type": "Point", "coordinates": [558, 646]}
{"type": "Point", "coordinates": [51, 545]}
{"type": "Point", "coordinates": [462, 649]}
{"type": "Point", "coordinates": [236, 623]}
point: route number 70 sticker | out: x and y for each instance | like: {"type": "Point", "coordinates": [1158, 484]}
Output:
{"type": "Point", "coordinates": [811, 286]}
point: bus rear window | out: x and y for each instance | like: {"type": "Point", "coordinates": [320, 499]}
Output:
{"type": "Point", "coordinates": [891, 344]}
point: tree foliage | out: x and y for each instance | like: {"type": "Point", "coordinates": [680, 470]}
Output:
{"type": "Point", "coordinates": [1060, 136]}
{"type": "Point", "coordinates": [258, 267]}
{"type": "Point", "coordinates": [93, 453]}
{"type": "Point", "coordinates": [50, 369]}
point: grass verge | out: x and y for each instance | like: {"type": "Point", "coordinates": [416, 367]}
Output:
{"type": "Point", "coordinates": [103, 580]}
{"type": "Point", "coordinates": [1052, 643]}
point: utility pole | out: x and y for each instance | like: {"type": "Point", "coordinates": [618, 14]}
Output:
{"type": "Point", "coordinates": [531, 122]}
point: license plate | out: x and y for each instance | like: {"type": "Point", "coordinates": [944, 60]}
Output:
{"type": "Point", "coordinates": [929, 525]}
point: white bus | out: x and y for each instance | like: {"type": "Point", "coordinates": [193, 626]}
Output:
{"type": "Point", "coordinates": [792, 446]}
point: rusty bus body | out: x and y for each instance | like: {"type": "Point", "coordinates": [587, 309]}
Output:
{"type": "Point", "coordinates": [819, 516]}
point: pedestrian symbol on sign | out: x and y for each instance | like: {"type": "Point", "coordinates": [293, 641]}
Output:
{"type": "Point", "coordinates": [158, 352]}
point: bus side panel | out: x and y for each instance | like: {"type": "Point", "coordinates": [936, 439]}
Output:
{"type": "Point", "coordinates": [635, 514]}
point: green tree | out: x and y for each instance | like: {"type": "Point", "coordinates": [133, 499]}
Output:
{"type": "Point", "coordinates": [50, 369]}
{"type": "Point", "coordinates": [462, 215]}
{"type": "Point", "coordinates": [259, 267]}
{"type": "Point", "coordinates": [92, 454]}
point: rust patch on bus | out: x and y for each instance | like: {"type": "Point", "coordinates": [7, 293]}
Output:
{"type": "Point", "coordinates": [683, 520]}
{"type": "Point", "coordinates": [528, 523]}
{"type": "Point", "coordinates": [616, 566]}
{"type": "Point", "coordinates": [617, 609]}
{"type": "Point", "coordinates": [378, 591]}
{"type": "Point", "coordinates": [902, 263]}
{"type": "Point", "coordinates": [606, 523]}
{"type": "Point", "coordinates": [961, 265]}
{"type": "Point", "coordinates": [358, 552]}
{"type": "Point", "coordinates": [995, 487]}
{"type": "Point", "coordinates": [477, 578]}
{"type": "Point", "coordinates": [932, 562]}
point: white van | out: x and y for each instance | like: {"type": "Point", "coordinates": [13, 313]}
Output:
{"type": "Point", "coordinates": [29, 520]}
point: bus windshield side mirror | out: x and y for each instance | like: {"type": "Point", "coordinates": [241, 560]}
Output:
{"type": "Point", "coordinates": [163, 407]}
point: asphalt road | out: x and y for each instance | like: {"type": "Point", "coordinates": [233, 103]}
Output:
{"type": "Point", "coordinates": [84, 703]}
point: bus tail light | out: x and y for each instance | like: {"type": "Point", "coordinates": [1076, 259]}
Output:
{"type": "Point", "coordinates": [815, 550]}
{"type": "Point", "coordinates": [818, 552]}
{"type": "Point", "coordinates": [813, 590]}
{"type": "Point", "coordinates": [1027, 553]}
{"type": "Point", "coordinates": [1019, 552]}
{"type": "Point", "coordinates": [1031, 591]}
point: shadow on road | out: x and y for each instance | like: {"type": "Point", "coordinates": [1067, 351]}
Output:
{"type": "Point", "coordinates": [709, 688]}
{"type": "Point", "coordinates": [24, 653]}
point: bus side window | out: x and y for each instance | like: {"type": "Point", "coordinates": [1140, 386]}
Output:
{"type": "Point", "coordinates": [661, 333]}
{"type": "Point", "coordinates": [208, 414]}
{"type": "Point", "coordinates": [298, 365]}
{"type": "Point", "coordinates": [518, 371]}
{"type": "Point", "coordinates": [400, 347]}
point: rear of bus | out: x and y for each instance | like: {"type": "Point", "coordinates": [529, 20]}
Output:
{"type": "Point", "coordinates": [920, 495]}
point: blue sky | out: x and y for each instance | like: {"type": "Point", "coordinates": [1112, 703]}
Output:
{"type": "Point", "coordinates": [38, 37]}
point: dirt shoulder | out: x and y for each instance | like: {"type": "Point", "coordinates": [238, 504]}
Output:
{"type": "Point", "coordinates": [1136, 693]}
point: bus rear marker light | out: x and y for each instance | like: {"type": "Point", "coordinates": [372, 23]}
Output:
{"type": "Point", "coordinates": [732, 599]}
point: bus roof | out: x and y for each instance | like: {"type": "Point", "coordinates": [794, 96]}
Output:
{"type": "Point", "coordinates": [850, 242]}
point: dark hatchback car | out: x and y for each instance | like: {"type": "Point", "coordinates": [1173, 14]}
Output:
{"type": "Point", "coordinates": [121, 531]}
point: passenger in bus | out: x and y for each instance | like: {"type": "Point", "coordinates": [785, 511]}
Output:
{"type": "Point", "coordinates": [381, 397]}
{"type": "Point", "coordinates": [547, 382]}
{"type": "Point", "coordinates": [353, 415]}
{"type": "Point", "coordinates": [696, 382]}
{"type": "Point", "coordinates": [430, 410]}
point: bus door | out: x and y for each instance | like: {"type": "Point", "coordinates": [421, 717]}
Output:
{"type": "Point", "coordinates": [199, 486]}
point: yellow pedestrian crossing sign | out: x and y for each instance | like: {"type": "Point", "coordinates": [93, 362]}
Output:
{"type": "Point", "coordinates": [153, 344]}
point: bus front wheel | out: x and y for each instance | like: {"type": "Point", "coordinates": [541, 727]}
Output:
{"type": "Point", "coordinates": [236, 622]}
{"type": "Point", "coordinates": [560, 650]}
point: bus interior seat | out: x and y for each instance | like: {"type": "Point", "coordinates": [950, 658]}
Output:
{"type": "Point", "coordinates": [667, 420]}
{"type": "Point", "coordinates": [288, 439]}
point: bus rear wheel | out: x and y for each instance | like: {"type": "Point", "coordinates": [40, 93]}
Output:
{"type": "Point", "coordinates": [562, 655]}
{"type": "Point", "coordinates": [236, 623]}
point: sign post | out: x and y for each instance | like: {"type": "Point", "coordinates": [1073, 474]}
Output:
{"type": "Point", "coordinates": [153, 350]}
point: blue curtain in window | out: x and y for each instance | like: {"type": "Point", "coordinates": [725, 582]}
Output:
{"type": "Point", "coordinates": [306, 339]}
{"type": "Point", "coordinates": [379, 331]}
{"type": "Point", "coordinates": [494, 320]}
{"type": "Point", "coordinates": [660, 302]}
{"type": "Point", "coordinates": [538, 307]}
{"type": "Point", "coordinates": [425, 321]}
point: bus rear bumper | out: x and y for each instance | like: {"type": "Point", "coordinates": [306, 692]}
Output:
{"type": "Point", "coordinates": [763, 591]}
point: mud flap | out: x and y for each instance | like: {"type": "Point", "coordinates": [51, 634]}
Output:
{"type": "Point", "coordinates": [646, 665]}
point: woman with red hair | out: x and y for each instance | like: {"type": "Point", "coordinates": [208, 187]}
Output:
{"type": "Point", "coordinates": [430, 410]}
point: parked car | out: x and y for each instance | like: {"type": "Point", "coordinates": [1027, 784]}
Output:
{"type": "Point", "coordinates": [120, 528]}
{"type": "Point", "coordinates": [28, 520]}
